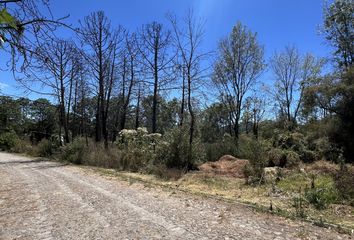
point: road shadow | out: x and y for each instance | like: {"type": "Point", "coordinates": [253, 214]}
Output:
{"type": "Point", "coordinates": [22, 161]}
{"type": "Point", "coordinates": [46, 164]}
{"type": "Point", "coordinates": [51, 165]}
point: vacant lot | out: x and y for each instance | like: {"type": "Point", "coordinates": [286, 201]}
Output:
{"type": "Point", "coordinates": [46, 200]}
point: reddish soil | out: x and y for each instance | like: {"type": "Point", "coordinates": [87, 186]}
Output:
{"type": "Point", "coordinates": [227, 165]}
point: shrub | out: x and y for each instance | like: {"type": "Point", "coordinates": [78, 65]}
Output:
{"type": "Point", "coordinates": [8, 140]}
{"type": "Point", "coordinates": [135, 160]}
{"type": "Point", "coordinates": [111, 157]}
{"type": "Point", "coordinates": [97, 155]}
{"type": "Point", "coordinates": [248, 171]}
{"type": "Point", "coordinates": [174, 150]}
{"type": "Point", "coordinates": [320, 197]}
{"type": "Point", "coordinates": [296, 148]}
{"type": "Point", "coordinates": [255, 152]}
{"type": "Point", "coordinates": [308, 156]}
{"type": "Point", "coordinates": [249, 147]}
{"type": "Point", "coordinates": [75, 152]}
{"type": "Point", "coordinates": [216, 150]}
{"type": "Point", "coordinates": [131, 139]}
{"type": "Point", "coordinates": [23, 146]}
{"type": "Point", "coordinates": [121, 157]}
{"type": "Point", "coordinates": [290, 141]}
{"type": "Point", "coordinates": [276, 157]}
{"type": "Point", "coordinates": [326, 150]}
{"type": "Point", "coordinates": [137, 149]}
{"type": "Point", "coordinates": [44, 148]}
{"type": "Point", "coordinates": [292, 159]}
{"type": "Point", "coordinates": [344, 182]}
{"type": "Point", "coordinates": [322, 191]}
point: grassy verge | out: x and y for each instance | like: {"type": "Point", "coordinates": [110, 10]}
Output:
{"type": "Point", "coordinates": [276, 199]}
{"type": "Point", "coordinates": [287, 197]}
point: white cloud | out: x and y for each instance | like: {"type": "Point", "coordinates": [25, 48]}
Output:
{"type": "Point", "coordinates": [3, 86]}
{"type": "Point", "coordinates": [210, 8]}
{"type": "Point", "coordinates": [204, 7]}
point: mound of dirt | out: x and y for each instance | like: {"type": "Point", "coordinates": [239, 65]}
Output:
{"type": "Point", "coordinates": [227, 165]}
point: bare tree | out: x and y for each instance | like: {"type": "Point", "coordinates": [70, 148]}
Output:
{"type": "Point", "coordinates": [188, 42]}
{"type": "Point", "coordinates": [103, 41]}
{"type": "Point", "coordinates": [180, 72]}
{"type": "Point", "coordinates": [154, 43]}
{"type": "Point", "coordinates": [239, 63]}
{"type": "Point", "coordinates": [128, 76]}
{"type": "Point", "coordinates": [137, 108]}
{"type": "Point", "coordinates": [293, 73]}
{"type": "Point", "coordinates": [109, 83]}
{"type": "Point", "coordinates": [81, 108]}
{"type": "Point", "coordinates": [256, 105]}
{"type": "Point", "coordinates": [55, 67]}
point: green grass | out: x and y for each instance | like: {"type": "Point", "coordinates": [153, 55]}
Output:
{"type": "Point", "coordinates": [294, 183]}
{"type": "Point", "coordinates": [299, 181]}
{"type": "Point", "coordinates": [216, 182]}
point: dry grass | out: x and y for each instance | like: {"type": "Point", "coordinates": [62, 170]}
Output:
{"type": "Point", "coordinates": [97, 155]}
{"type": "Point", "coordinates": [321, 167]}
{"type": "Point", "coordinates": [235, 190]}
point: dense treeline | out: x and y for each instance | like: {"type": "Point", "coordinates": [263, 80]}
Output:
{"type": "Point", "coordinates": [106, 79]}
{"type": "Point", "coordinates": [39, 119]}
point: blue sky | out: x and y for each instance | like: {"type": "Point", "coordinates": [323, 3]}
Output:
{"type": "Point", "coordinates": [277, 22]}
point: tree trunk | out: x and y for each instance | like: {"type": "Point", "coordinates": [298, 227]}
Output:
{"type": "Point", "coordinates": [62, 112]}
{"type": "Point", "coordinates": [237, 120]}
{"type": "Point", "coordinates": [182, 101]}
{"type": "Point", "coordinates": [68, 107]}
{"type": "Point", "coordinates": [137, 113]}
{"type": "Point", "coordinates": [154, 101]}
{"type": "Point", "coordinates": [74, 129]}
{"type": "Point", "coordinates": [191, 112]}
{"type": "Point", "coordinates": [236, 131]}
{"type": "Point", "coordinates": [108, 98]}
{"type": "Point", "coordinates": [127, 100]}
{"type": "Point", "coordinates": [255, 129]}
{"type": "Point", "coordinates": [100, 95]}
{"type": "Point", "coordinates": [98, 121]}
{"type": "Point", "coordinates": [103, 121]}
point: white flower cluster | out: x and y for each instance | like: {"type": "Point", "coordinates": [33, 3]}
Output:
{"type": "Point", "coordinates": [153, 136]}
{"type": "Point", "coordinates": [139, 138]}
{"type": "Point", "coordinates": [142, 130]}
{"type": "Point", "coordinates": [128, 133]}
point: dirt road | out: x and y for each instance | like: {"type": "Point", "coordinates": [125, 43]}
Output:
{"type": "Point", "coordinates": [46, 200]}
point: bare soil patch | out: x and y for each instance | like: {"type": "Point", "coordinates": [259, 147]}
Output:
{"type": "Point", "coordinates": [227, 165]}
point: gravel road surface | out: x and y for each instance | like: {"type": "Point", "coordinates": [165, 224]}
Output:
{"type": "Point", "coordinates": [48, 200]}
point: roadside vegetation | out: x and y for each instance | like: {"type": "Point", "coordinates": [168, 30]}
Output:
{"type": "Point", "coordinates": [131, 104]}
